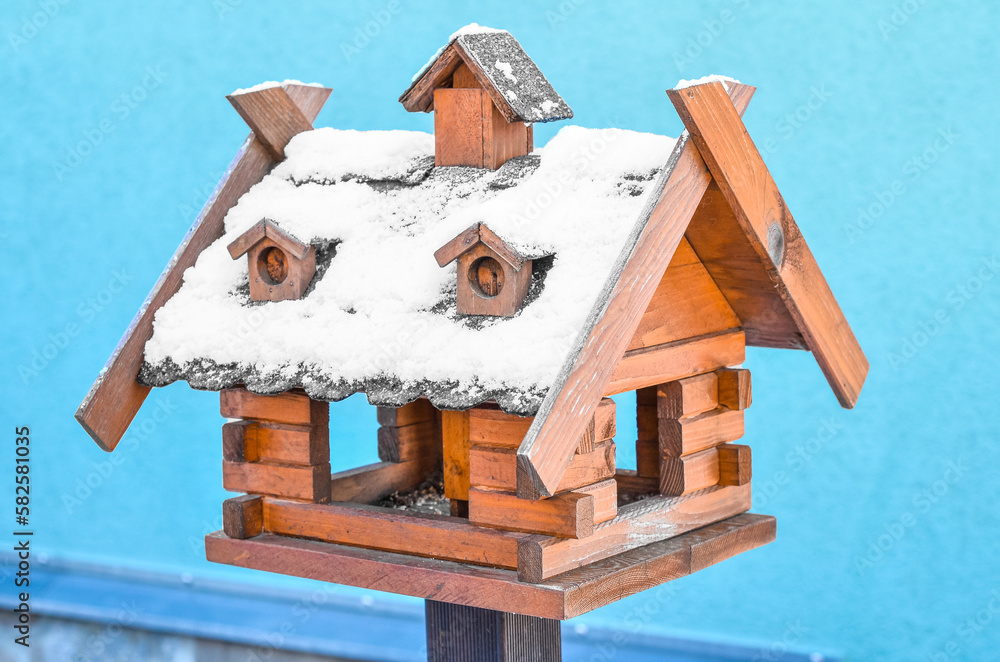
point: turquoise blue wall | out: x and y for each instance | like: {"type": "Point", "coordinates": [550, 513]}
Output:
{"type": "Point", "coordinates": [877, 119]}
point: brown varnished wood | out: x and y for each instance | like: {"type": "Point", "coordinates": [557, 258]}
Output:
{"type": "Point", "coordinates": [684, 436]}
{"type": "Point", "coordinates": [272, 116]}
{"type": "Point", "coordinates": [372, 482]}
{"type": "Point", "coordinates": [567, 515]}
{"type": "Point", "coordinates": [308, 483]}
{"type": "Point", "coordinates": [414, 412]}
{"type": "Point", "coordinates": [740, 274]}
{"type": "Point", "coordinates": [455, 439]}
{"type": "Point", "coordinates": [409, 442]}
{"type": "Point", "coordinates": [689, 473]}
{"type": "Point", "coordinates": [659, 364]}
{"type": "Point", "coordinates": [458, 134]}
{"type": "Point", "coordinates": [734, 388]}
{"type": "Point", "coordinates": [592, 365]}
{"type": "Point", "coordinates": [274, 442]}
{"type": "Point", "coordinates": [571, 594]}
{"type": "Point", "coordinates": [291, 408]}
{"type": "Point", "coordinates": [502, 140]}
{"type": "Point", "coordinates": [406, 532]}
{"type": "Point", "coordinates": [735, 466]}
{"type": "Point", "coordinates": [243, 516]}
{"type": "Point", "coordinates": [687, 397]}
{"type": "Point", "coordinates": [747, 185]}
{"type": "Point", "coordinates": [639, 523]}
{"type": "Point", "coordinates": [496, 467]}
{"type": "Point", "coordinates": [685, 304]}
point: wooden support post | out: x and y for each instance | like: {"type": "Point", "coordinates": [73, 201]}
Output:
{"type": "Point", "coordinates": [456, 633]}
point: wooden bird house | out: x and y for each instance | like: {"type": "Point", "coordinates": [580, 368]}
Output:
{"type": "Point", "coordinates": [493, 278]}
{"type": "Point", "coordinates": [485, 93]}
{"type": "Point", "coordinates": [498, 438]}
{"type": "Point", "coordinates": [280, 266]}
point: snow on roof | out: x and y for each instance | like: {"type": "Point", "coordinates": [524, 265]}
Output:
{"type": "Point", "coordinates": [714, 78]}
{"type": "Point", "coordinates": [272, 83]}
{"type": "Point", "coordinates": [380, 315]}
{"type": "Point", "coordinates": [515, 75]}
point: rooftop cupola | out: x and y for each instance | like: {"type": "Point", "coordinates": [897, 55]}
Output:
{"type": "Point", "coordinates": [485, 93]}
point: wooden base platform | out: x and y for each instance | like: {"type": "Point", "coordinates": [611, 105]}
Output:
{"type": "Point", "coordinates": [564, 596]}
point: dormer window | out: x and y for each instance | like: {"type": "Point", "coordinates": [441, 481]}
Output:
{"type": "Point", "coordinates": [493, 278]}
{"type": "Point", "coordinates": [280, 266]}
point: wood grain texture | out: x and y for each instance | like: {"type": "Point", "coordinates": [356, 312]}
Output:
{"type": "Point", "coordinates": [734, 388]}
{"type": "Point", "coordinates": [659, 364]}
{"type": "Point", "coordinates": [243, 516]}
{"type": "Point", "coordinates": [456, 447]}
{"type": "Point", "coordinates": [697, 433]}
{"type": "Point", "coordinates": [272, 116]}
{"type": "Point", "coordinates": [291, 407]}
{"type": "Point", "coordinates": [458, 127]}
{"type": "Point", "coordinates": [746, 183]}
{"type": "Point", "coordinates": [372, 482]}
{"type": "Point", "coordinates": [735, 466]}
{"type": "Point", "coordinates": [567, 515]}
{"type": "Point", "coordinates": [687, 397]}
{"type": "Point", "coordinates": [639, 523]}
{"type": "Point", "coordinates": [685, 304]}
{"type": "Point", "coordinates": [409, 442]}
{"type": "Point", "coordinates": [308, 483]}
{"type": "Point", "coordinates": [414, 412]}
{"type": "Point", "coordinates": [689, 473]}
{"type": "Point", "coordinates": [250, 441]}
{"type": "Point", "coordinates": [496, 467]}
{"type": "Point", "coordinates": [115, 397]}
{"type": "Point", "coordinates": [457, 633]}
{"type": "Point", "coordinates": [549, 446]}
{"type": "Point", "coordinates": [725, 250]}
{"type": "Point", "coordinates": [574, 593]}
{"type": "Point", "coordinates": [632, 483]}
{"type": "Point", "coordinates": [502, 140]}
{"type": "Point", "coordinates": [406, 532]}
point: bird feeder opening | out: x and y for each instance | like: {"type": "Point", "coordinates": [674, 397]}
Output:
{"type": "Point", "coordinates": [272, 265]}
{"type": "Point", "coordinates": [486, 277]}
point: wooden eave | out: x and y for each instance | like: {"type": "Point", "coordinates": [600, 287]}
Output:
{"type": "Point", "coordinates": [267, 229]}
{"type": "Point", "coordinates": [419, 97]}
{"type": "Point", "coordinates": [476, 234]}
{"type": "Point", "coordinates": [713, 129]}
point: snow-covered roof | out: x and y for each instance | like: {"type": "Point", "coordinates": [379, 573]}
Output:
{"type": "Point", "coordinates": [380, 314]}
{"type": "Point", "coordinates": [499, 56]}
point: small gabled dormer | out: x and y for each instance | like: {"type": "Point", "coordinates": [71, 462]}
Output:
{"type": "Point", "coordinates": [485, 93]}
{"type": "Point", "coordinates": [280, 265]}
{"type": "Point", "coordinates": [493, 278]}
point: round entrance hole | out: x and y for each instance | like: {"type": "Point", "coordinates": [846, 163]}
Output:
{"type": "Point", "coordinates": [272, 266]}
{"type": "Point", "coordinates": [486, 277]}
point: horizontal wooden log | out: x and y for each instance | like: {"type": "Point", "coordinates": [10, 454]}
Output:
{"type": "Point", "coordinates": [734, 388]}
{"type": "Point", "coordinates": [409, 442]}
{"type": "Point", "coordinates": [735, 466]}
{"type": "Point", "coordinates": [689, 435]}
{"type": "Point", "coordinates": [496, 467]}
{"type": "Point", "coordinates": [639, 523]}
{"type": "Point", "coordinates": [415, 412]}
{"type": "Point", "coordinates": [605, 495]}
{"type": "Point", "coordinates": [243, 516]}
{"type": "Point", "coordinates": [601, 428]}
{"type": "Point", "coordinates": [405, 532]}
{"type": "Point", "coordinates": [689, 396]}
{"type": "Point", "coordinates": [630, 482]}
{"type": "Point", "coordinates": [664, 363]}
{"type": "Point", "coordinates": [372, 482]}
{"type": "Point", "coordinates": [309, 483]}
{"type": "Point", "coordinates": [689, 473]}
{"type": "Point", "coordinates": [568, 515]}
{"type": "Point", "coordinates": [493, 427]}
{"type": "Point", "coordinates": [566, 596]}
{"type": "Point", "coordinates": [250, 441]}
{"type": "Point", "coordinates": [292, 407]}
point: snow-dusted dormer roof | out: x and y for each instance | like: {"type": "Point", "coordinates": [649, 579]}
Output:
{"type": "Point", "coordinates": [516, 85]}
{"type": "Point", "coordinates": [379, 317]}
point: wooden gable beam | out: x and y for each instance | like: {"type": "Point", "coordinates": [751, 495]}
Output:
{"type": "Point", "coordinates": [116, 396]}
{"type": "Point", "coordinates": [746, 183]}
{"type": "Point", "coordinates": [549, 445]}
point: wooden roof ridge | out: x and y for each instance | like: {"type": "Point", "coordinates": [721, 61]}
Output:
{"type": "Point", "coordinates": [475, 234]}
{"type": "Point", "coordinates": [116, 396]}
{"type": "Point", "coordinates": [266, 228]}
{"type": "Point", "coordinates": [419, 96]}
{"type": "Point", "coordinates": [711, 113]}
